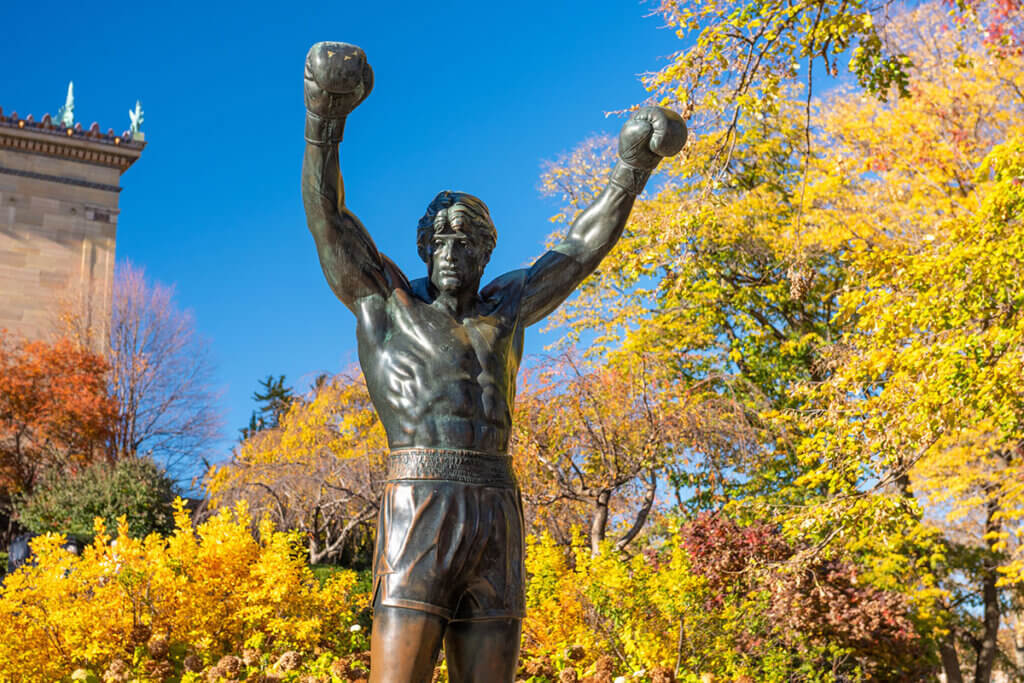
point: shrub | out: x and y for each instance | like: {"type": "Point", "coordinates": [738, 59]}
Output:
{"type": "Point", "coordinates": [158, 605]}
{"type": "Point", "coordinates": [710, 596]}
{"type": "Point", "coordinates": [135, 488]}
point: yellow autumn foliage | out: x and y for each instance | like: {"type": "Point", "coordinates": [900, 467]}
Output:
{"type": "Point", "coordinates": [581, 607]}
{"type": "Point", "coordinates": [320, 472]}
{"type": "Point", "coordinates": [208, 591]}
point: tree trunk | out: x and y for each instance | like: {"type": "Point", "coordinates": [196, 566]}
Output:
{"type": "Point", "coordinates": [950, 661]}
{"type": "Point", "coordinates": [335, 544]}
{"type": "Point", "coordinates": [314, 550]}
{"type": "Point", "coordinates": [990, 621]}
{"type": "Point", "coordinates": [990, 601]}
{"type": "Point", "coordinates": [680, 644]}
{"type": "Point", "coordinates": [599, 523]}
{"type": "Point", "coordinates": [947, 646]}
{"type": "Point", "coordinates": [641, 515]}
{"type": "Point", "coordinates": [1018, 633]}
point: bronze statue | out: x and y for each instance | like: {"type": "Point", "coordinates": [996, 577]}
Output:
{"type": "Point", "coordinates": [440, 357]}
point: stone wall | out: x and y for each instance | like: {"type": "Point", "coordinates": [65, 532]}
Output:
{"type": "Point", "coordinates": [58, 222]}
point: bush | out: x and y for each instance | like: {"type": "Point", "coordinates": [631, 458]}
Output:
{"type": "Point", "coordinates": [135, 488]}
{"type": "Point", "coordinates": [149, 609]}
{"type": "Point", "coordinates": [324, 572]}
{"type": "Point", "coordinates": [710, 596]}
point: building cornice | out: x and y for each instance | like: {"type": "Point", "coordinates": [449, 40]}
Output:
{"type": "Point", "coordinates": [64, 180]}
{"type": "Point", "coordinates": [77, 144]}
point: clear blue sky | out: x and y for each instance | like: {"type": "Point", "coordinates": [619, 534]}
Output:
{"type": "Point", "coordinates": [468, 96]}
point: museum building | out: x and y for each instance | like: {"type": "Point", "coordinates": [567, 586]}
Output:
{"type": "Point", "coordinates": [59, 188]}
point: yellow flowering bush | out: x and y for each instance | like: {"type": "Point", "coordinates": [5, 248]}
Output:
{"type": "Point", "coordinates": [710, 597]}
{"type": "Point", "coordinates": [582, 608]}
{"type": "Point", "coordinates": [163, 607]}
{"type": "Point", "coordinates": [220, 603]}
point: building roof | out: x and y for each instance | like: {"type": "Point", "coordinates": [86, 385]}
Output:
{"type": "Point", "coordinates": [51, 138]}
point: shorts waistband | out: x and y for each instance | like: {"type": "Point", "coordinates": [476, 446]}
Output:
{"type": "Point", "coordinates": [445, 464]}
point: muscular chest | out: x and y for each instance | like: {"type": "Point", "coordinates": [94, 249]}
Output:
{"type": "Point", "coordinates": [417, 356]}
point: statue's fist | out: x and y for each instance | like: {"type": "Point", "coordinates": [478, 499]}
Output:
{"type": "Point", "coordinates": [337, 79]}
{"type": "Point", "coordinates": [651, 134]}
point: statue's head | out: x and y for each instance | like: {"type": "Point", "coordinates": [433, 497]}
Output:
{"type": "Point", "coordinates": [455, 238]}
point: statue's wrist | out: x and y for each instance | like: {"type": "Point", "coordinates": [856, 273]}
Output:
{"type": "Point", "coordinates": [324, 131]}
{"type": "Point", "coordinates": [630, 178]}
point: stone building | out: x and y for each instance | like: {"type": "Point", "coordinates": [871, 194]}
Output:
{"type": "Point", "coordinates": [59, 189]}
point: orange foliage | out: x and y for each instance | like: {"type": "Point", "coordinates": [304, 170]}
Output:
{"type": "Point", "coordinates": [54, 409]}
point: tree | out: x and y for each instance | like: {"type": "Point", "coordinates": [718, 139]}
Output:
{"type": "Point", "coordinates": [927, 395]}
{"type": "Point", "coordinates": [591, 444]}
{"type": "Point", "coordinates": [160, 373]}
{"type": "Point", "coordinates": [920, 406]}
{"type": "Point", "coordinates": [321, 471]}
{"type": "Point", "coordinates": [739, 57]}
{"type": "Point", "coordinates": [275, 399]}
{"type": "Point", "coordinates": [55, 413]}
{"type": "Point", "coordinates": [135, 488]}
{"type": "Point", "coordinates": [853, 286]}
{"type": "Point", "coordinates": [814, 604]}
{"type": "Point", "coordinates": [723, 295]}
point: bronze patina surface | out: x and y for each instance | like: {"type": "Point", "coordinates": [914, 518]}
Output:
{"type": "Point", "coordinates": [440, 357]}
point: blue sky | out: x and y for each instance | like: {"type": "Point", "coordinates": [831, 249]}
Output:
{"type": "Point", "coordinates": [468, 96]}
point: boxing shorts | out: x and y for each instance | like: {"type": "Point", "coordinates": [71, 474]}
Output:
{"type": "Point", "coordinates": [450, 536]}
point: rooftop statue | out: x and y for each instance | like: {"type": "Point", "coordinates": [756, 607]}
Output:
{"type": "Point", "coordinates": [136, 121]}
{"type": "Point", "coordinates": [66, 114]}
{"type": "Point", "coordinates": [440, 356]}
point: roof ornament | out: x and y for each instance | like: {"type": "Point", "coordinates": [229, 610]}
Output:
{"type": "Point", "coordinates": [136, 119]}
{"type": "Point", "coordinates": [66, 114]}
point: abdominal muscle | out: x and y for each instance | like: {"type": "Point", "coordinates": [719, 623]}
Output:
{"type": "Point", "coordinates": [432, 410]}
{"type": "Point", "coordinates": [455, 433]}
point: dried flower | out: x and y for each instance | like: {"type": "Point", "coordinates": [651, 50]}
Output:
{"type": "Point", "coordinates": [157, 647]}
{"type": "Point", "coordinates": [230, 665]}
{"type": "Point", "coordinates": [289, 661]}
{"type": "Point", "coordinates": [117, 672]}
{"type": "Point", "coordinates": [192, 663]}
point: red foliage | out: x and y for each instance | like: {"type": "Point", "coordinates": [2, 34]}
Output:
{"type": "Point", "coordinates": [821, 600]}
{"type": "Point", "coordinates": [726, 554]}
{"type": "Point", "coordinates": [827, 602]}
{"type": "Point", "coordinates": [55, 410]}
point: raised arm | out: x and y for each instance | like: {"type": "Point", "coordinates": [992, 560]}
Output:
{"type": "Point", "coordinates": [651, 134]}
{"type": "Point", "coordinates": [337, 78]}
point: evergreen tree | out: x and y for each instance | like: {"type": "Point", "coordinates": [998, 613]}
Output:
{"type": "Point", "coordinates": [274, 399]}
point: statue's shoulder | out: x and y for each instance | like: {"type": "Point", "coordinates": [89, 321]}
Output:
{"type": "Point", "coordinates": [506, 290]}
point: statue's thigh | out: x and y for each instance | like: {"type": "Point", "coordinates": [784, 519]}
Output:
{"type": "Point", "coordinates": [482, 651]}
{"type": "Point", "coordinates": [404, 646]}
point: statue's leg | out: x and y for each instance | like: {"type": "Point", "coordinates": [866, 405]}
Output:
{"type": "Point", "coordinates": [482, 651]}
{"type": "Point", "coordinates": [404, 645]}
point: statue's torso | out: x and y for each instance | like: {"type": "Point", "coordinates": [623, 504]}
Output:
{"type": "Point", "coordinates": [439, 382]}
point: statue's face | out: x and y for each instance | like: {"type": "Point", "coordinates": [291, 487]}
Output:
{"type": "Point", "coordinates": [456, 261]}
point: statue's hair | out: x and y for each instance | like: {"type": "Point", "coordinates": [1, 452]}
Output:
{"type": "Point", "coordinates": [440, 213]}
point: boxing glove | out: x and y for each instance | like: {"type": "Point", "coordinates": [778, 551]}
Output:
{"type": "Point", "coordinates": [337, 79]}
{"type": "Point", "coordinates": [650, 135]}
